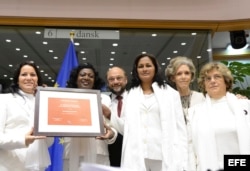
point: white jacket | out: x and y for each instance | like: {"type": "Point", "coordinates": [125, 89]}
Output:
{"type": "Point", "coordinates": [16, 119]}
{"type": "Point", "coordinates": [204, 138]}
{"type": "Point", "coordinates": [174, 135]}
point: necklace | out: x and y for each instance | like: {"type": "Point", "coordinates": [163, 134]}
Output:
{"type": "Point", "coordinates": [185, 101]}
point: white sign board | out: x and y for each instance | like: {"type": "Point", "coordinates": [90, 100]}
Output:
{"type": "Point", "coordinates": [81, 34]}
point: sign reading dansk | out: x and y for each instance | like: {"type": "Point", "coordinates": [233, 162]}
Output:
{"type": "Point", "coordinates": [82, 34]}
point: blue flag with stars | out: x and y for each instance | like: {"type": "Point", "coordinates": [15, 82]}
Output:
{"type": "Point", "coordinates": [56, 150]}
{"type": "Point", "coordinates": [70, 61]}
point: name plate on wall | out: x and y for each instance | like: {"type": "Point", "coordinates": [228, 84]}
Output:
{"type": "Point", "coordinates": [81, 34]}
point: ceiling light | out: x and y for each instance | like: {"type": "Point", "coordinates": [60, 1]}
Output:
{"type": "Point", "coordinates": [49, 78]}
{"type": "Point", "coordinates": [209, 50]}
{"type": "Point", "coordinates": [111, 64]}
{"type": "Point", "coordinates": [45, 75]}
{"type": "Point", "coordinates": [113, 53]}
{"type": "Point", "coordinates": [8, 40]}
{"type": "Point", "coordinates": [38, 32]}
{"type": "Point", "coordinates": [25, 56]}
{"type": "Point", "coordinates": [82, 52]}
{"type": "Point", "coordinates": [112, 59]}
{"type": "Point", "coordinates": [183, 43]}
{"type": "Point", "coordinates": [163, 63]}
{"type": "Point", "coordinates": [41, 70]}
{"type": "Point", "coordinates": [10, 65]}
{"type": "Point", "coordinates": [154, 35]}
{"type": "Point", "coordinates": [115, 44]}
{"type": "Point", "coordinates": [143, 52]}
{"type": "Point", "coordinates": [11, 78]}
{"type": "Point", "coordinates": [168, 58]}
{"type": "Point", "coordinates": [193, 34]}
{"type": "Point", "coordinates": [84, 59]}
{"type": "Point", "coordinates": [175, 51]}
{"type": "Point", "coordinates": [5, 75]}
{"type": "Point", "coordinates": [55, 57]}
{"type": "Point", "coordinates": [45, 43]}
{"type": "Point", "coordinates": [198, 57]}
{"type": "Point", "coordinates": [51, 51]}
{"type": "Point", "coordinates": [76, 43]}
{"type": "Point", "coordinates": [18, 49]}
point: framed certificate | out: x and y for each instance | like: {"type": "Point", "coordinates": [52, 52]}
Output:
{"type": "Point", "coordinates": [68, 112]}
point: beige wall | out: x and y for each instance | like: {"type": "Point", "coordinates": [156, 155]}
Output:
{"type": "Point", "coordinates": [129, 9]}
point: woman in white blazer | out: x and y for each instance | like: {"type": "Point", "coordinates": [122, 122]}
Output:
{"type": "Point", "coordinates": [220, 124]}
{"type": "Point", "coordinates": [19, 149]}
{"type": "Point", "coordinates": [180, 74]}
{"type": "Point", "coordinates": [154, 128]}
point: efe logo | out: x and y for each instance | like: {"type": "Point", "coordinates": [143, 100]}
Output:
{"type": "Point", "coordinates": [236, 162]}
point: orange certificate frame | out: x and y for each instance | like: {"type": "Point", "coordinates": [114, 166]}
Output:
{"type": "Point", "coordinates": [68, 112]}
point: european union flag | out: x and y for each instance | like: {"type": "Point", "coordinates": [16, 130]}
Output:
{"type": "Point", "coordinates": [56, 150]}
{"type": "Point", "coordinates": [70, 62]}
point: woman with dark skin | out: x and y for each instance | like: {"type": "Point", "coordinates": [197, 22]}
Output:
{"type": "Point", "coordinates": [84, 149]}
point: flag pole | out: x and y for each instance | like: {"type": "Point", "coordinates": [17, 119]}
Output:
{"type": "Point", "coordinates": [69, 62]}
{"type": "Point", "coordinates": [72, 35]}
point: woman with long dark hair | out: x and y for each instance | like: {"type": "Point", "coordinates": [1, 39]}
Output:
{"type": "Point", "coordinates": [155, 136]}
{"type": "Point", "coordinates": [20, 150]}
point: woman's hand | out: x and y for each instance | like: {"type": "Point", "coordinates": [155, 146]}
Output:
{"type": "Point", "coordinates": [29, 138]}
{"type": "Point", "coordinates": [239, 96]}
{"type": "Point", "coordinates": [106, 111]}
{"type": "Point", "coordinates": [109, 133]}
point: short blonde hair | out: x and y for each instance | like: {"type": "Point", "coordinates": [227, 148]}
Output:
{"type": "Point", "coordinates": [223, 69]}
{"type": "Point", "coordinates": [175, 63]}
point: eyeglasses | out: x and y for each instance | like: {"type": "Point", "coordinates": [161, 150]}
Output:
{"type": "Point", "coordinates": [215, 77]}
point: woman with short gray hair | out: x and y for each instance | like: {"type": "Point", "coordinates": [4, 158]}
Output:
{"type": "Point", "coordinates": [180, 73]}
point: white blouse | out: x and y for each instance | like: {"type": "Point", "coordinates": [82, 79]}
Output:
{"type": "Point", "coordinates": [223, 123]}
{"type": "Point", "coordinates": [151, 129]}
